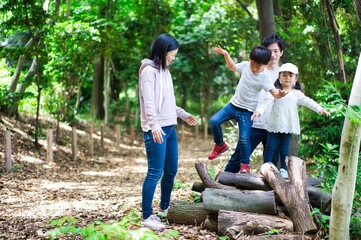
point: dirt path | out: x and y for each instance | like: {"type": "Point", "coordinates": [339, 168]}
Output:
{"type": "Point", "coordinates": [104, 187]}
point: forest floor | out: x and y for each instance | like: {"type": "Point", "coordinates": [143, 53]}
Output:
{"type": "Point", "coordinates": [102, 187]}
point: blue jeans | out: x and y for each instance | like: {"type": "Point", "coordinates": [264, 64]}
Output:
{"type": "Point", "coordinates": [244, 121]}
{"type": "Point", "coordinates": [257, 136]}
{"type": "Point", "coordinates": [162, 163]}
{"type": "Point", "coordinates": [280, 140]}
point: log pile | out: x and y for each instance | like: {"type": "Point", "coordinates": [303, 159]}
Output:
{"type": "Point", "coordinates": [248, 205]}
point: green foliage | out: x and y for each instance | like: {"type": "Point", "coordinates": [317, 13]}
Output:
{"type": "Point", "coordinates": [223, 238]}
{"type": "Point", "coordinates": [326, 165]}
{"type": "Point", "coordinates": [322, 220]}
{"type": "Point", "coordinates": [318, 129]}
{"type": "Point", "coordinates": [177, 184]}
{"type": "Point", "coordinates": [9, 98]}
{"type": "Point", "coordinates": [273, 232]}
{"type": "Point", "coordinates": [16, 168]}
{"type": "Point", "coordinates": [355, 226]}
{"type": "Point", "coordinates": [123, 229]}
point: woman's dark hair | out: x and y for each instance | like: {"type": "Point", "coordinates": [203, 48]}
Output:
{"type": "Point", "coordinates": [163, 44]}
{"type": "Point", "coordinates": [260, 55]}
{"type": "Point", "coordinates": [274, 38]}
{"type": "Point", "coordinates": [278, 85]}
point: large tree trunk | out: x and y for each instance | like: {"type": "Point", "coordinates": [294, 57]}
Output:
{"type": "Point", "coordinates": [344, 188]}
{"type": "Point", "coordinates": [333, 22]}
{"type": "Point", "coordinates": [239, 223]}
{"type": "Point", "coordinates": [266, 18]}
{"type": "Point", "coordinates": [293, 193]}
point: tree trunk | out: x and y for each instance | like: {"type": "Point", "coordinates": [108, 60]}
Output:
{"type": "Point", "coordinates": [338, 42]}
{"type": "Point", "coordinates": [266, 18]}
{"type": "Point", "coordinates": [357, 4]}
{"type": "Point", "coordinates": [344, 188]}
{"type": "Point", "coordinates": [188, 213]}
{"type": "Point", "coordinates": [293, 193]}
{"type": "Point", "coordinates": [237, 200]}
{"type": "Point", "coordinates": [106, 89]}
{"type": "Point", "coordinates": [236, 223]}
{"type": "Point", "coordinates": [97, 88]}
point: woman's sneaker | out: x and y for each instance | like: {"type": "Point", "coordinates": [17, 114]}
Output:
{"type": "Point", "coordinates": [153, 222]}
{"type": "Point", "coordinates": [163, 213]}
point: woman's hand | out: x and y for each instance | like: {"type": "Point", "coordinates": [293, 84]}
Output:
{"type": "Point", "coordinates": [255, 115]}
{"type": "Point", "coordinates": [158, 136]}
{"type": "Point", "coordinates": [191, 121]}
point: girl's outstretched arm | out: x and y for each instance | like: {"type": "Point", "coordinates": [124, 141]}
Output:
{"type": "Point", "coordinates": [230, 63]}
{"type": "Point", "coordinates": [324, 112]}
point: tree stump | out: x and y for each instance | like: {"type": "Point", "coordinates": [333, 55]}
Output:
{"type": "Point", "coordinates": [236, 200]}
{"type": "Point", "coordinates": [236, 223]}
{"type": "Point", "coordinates": [293, 193]}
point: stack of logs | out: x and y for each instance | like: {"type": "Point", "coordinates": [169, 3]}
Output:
{"type": "Point", "coordinates": [248, 205]}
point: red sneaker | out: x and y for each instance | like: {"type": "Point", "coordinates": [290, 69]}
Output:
{"type": "Point", "coordinates": [218, 150]}
{"type": "Point", "coordinates": [244, 168]}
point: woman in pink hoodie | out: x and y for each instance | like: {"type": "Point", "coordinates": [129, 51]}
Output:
{"type": "Point", "coordinates": [159, 114]}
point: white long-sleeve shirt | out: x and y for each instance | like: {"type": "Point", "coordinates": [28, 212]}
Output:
{"type": "Point", "coordinates": [284, 114]}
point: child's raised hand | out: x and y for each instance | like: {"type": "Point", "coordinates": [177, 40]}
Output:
{"type": "Point", "coordinates": [282, 93]}
{"type": "Point", "coordinates": [255, 115]}
{"type": "Point", "coordinates": [324, 112]}
{"type": "Point", "coordinates": [220, 50]}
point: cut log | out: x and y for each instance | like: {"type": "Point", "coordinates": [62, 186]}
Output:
{"type": "Point", "coordinates": [293, 193]}
{"type": "Point", "coordinates": [250, 181]}
{"type": "Point", "coordinates": [319, 199]}
{"type": "Point", "coordinates": [282, 237]}
{"type": "Point", "coordinates": [254, 181]}
{"type": "Point", "coordinates": [236, 223]}
{"type": "Point", "coordinates": [198, 186]}
{"type": "Point", "coordinates": [237, 200]}
{"type": "Point", "coordinates": [211, 222]}
{"type": "Point", "coordinates": [202, 171]}
{"type": "Point", "coordinates": [187, 213]}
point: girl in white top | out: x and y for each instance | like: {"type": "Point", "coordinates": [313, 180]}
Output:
{"type": "Point", "coordinates": [284, 120]}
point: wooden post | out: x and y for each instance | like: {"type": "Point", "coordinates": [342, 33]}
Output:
{"type": "Point", "coordinates": [8, 159]}
{"type": "Point", "coordinates": [102, 136]}
{"type": "Point", "coordinates": [74, 143]}
{"type": "Point", "coordinates": [197, 131]}
{"type": "Point", "coordinates": [117, 130]}
{"type": "Point", "coordinates": [132, 134]}
{"type": "Point", "coordinates": [183, 132]}
{"type": "Point", "coordinates": [91, 143]}
{"type": "Point", "coordinates": [49, 150]}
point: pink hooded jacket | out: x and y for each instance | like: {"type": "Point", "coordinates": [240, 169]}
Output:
{"type": "Point", "coordinates": [156, 95]}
